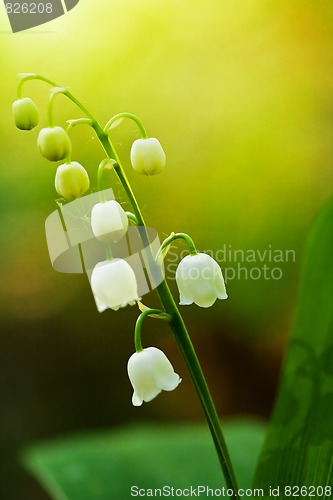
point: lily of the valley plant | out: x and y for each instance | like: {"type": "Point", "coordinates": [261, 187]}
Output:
{"type": "Point", "coordinates": [113, 280]}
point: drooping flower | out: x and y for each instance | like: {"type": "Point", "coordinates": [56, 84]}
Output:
{"type": "Point", "coordinates": [71, 180]}
{"type": "Point", "coordinates": [54, 143]}
{"type": "Point", "coordinates": [25, 113]}
{"type": "Point", "coordinates": [147, 156]}
{"type": "Point", "coordinates": [200, 280]}
{"type": "Point", "coordinates": [150, 372]}
{"type": "Point", "coordinates": [114, 284]}
{"type": "Point", "coordinates": [109, 221]}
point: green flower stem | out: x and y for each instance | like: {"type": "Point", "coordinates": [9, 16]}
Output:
{"type": "Point", "coordinates": [66, 92]}
{"type": "Point", "coordinates": [105, 164]}
{"type": "Point", "coordinates": [170, 239]}
{"type": "Point", "coordinates": [55, 91]}
{"type": "Point", "coordinates": [64, 227]}
{"type": "Point", "coordinates": [82, 258]}
{"type": "Point", "coordinates": [50, 110]}
{"type": "Point", "coordinates": [139, 321]}
{"type": "Point", "coordinates": [108, 251]}
{"type": "Point", "coordinates": [78, 121]}
{"type": "Point", "coordinates": [182, 337]}
{"type": "Point", "coordinates": [71, 125]}
{"type": "Point", "coordinates": [120, 116]}
{"type": "Point", "coordinates": [176, 323]}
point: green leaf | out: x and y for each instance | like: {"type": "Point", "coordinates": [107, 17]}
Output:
{"type": "Point", "coordinates": [105, 465]}
{"type": "Point", "coordinates": [298, 450]}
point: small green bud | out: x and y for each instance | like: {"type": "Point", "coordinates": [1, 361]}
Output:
{"type": "Point", "coordinates": [54, 143]}
{"type": "Point", "coordinates": [147, 156]}
{"type": "Point", "coordinates": [71, 180]}
{"type": "Point", "coordinates": [25, 113]}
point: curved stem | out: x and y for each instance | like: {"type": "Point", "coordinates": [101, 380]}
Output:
{"type": "Point", "coordinates": [120, 116]}
{"type": "Point", "coordinates": [70, 126]}
{"type": "Point", "coordinates": [108, 148]}
{"type": "Point", "coordinates": [78, 121]}
{"type": "Point", "coordinates": [182, 337]}
{"type": "Point", "coordinates": [55, 91]}
{"type": "Point", "coordinates": [176, 322]}
{"type": "Point", "coordinates": [175, 236]}
{"type": "Point", "coordinates": [139, 321]}
{"type": "Point", "coordinates": [105, 164]}
{"type": "Point", "coordinates": [66, 92]}
{"type": "Point", "coordinates": [50, 110]}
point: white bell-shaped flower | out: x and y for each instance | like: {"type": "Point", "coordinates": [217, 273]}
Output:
{"type": "Point", "coordinates": [114, 284]}
{"type": "Point", "coordinates": [150, 372]}
{"type": "Point", "coordinates": [147, 156]}
{"type": "Point", "coordinates": [199, 279]}
{"type": "Point", "coordinates": [109, 221]}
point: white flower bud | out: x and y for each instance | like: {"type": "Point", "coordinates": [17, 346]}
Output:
{"type": "Point", "coordinates": [150, 372]}
{"type": "Point", "coordinates": [109, 221]}
{"type": "Point", "coordinates": [199, 279]}
{"type": "Point", "coordinates": [54, 143]}
{"type": "Point", "coordinates": [114, 284]}
{"type": "Point", "coordinates": [25, 113]}
{"type": "Point", "coordinates": [147, 156]}
{"type": "Point", "coordinates": [71, 180]}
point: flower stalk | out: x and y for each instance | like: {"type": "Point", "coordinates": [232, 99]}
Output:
{"type": "Point", "coordinates": [137, 332]}
{"type": "Point", "coordinates": [170, 309]}
{"type": "Point", "coordinates": [119, 117]}
{"type": "Point", "coordinates": [170, 239]}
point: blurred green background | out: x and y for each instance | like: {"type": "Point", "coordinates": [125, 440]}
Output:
{"type": "Point", "coordinates": [240, 96]}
